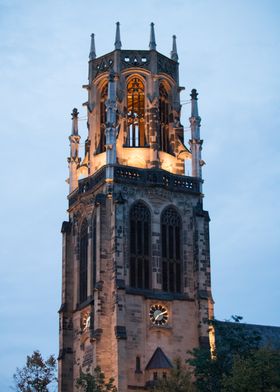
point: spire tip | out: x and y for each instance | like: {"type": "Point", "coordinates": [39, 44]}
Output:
{"type": "Point", "coordinates": [152, 44]}
{"type": "Point", "coordinates": [118, 43]}
{"type": "Point", "coordinates": [92, 53]}
{"type": "Point", "coordinates": [174, 53]}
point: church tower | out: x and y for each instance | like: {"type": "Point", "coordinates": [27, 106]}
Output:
{"type": "Point", "coordinates": [136, 289]}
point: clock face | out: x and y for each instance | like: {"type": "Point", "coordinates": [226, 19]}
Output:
{"type": "Point", "coordinates": [158, 314]}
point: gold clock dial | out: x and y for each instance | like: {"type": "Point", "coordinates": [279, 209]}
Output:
{"type": "Point", "coordinates": [158, 314]}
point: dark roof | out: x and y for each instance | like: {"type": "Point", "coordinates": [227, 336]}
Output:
{"type": "Point", "coordinates": [269, 335]}
{"type": "Point", "coordinates": [159, 361]}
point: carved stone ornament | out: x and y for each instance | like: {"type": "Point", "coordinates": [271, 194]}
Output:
{"type": "Point", "coordinates": [134, 58]}
{"type": "Point", "coordinates": [103, 64]}
{"type": "Point", "coordinates": [167, 66]}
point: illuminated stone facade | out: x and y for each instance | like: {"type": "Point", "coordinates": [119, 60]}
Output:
{"type": "Point", "coordinates": [136, 290]}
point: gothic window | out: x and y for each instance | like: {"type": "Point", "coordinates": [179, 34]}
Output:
{"type": "Point", "coordinates": [171, 250]}
{"type": "Point", "coordinates": [83, 261]}
{"type": "Point", "coordinates": [140, 222]}
{"type": "Point", "coordinates": [103, 99]}
{"type": "Point", "coordinates": [163, 118]}
{"type": "Point", "coordinates": [94, 251]}
{"type": "Point", "coordinates": [135, 113]}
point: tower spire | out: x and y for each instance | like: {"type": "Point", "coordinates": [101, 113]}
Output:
{"type": "Point", "coordinates": [152, 44]}
{"type": "Point", "coordinates": [195, 142]}
{"type": "Point", "coordinates": [74, 159]}
{"type": "Point", "coordinates": [92, 53]}
{"type": "Point", "coordinates": [118, 42]}
{"type": "Point", "coordinates": [174, 54]}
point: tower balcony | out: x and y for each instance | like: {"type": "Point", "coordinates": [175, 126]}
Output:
{"type": "Point", "coordinates": [135, 176]}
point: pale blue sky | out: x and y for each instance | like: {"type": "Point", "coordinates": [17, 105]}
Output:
{"type": "Point", "coordinates": [229, 51]}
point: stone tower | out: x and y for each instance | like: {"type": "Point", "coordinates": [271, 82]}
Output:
{"type": "Point", "coordinates": [136, 290]}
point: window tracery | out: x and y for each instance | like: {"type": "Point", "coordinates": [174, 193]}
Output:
{"type": "Point", "coordinates": [163, 118]}
{"type": "Point", "coordinates": [171, 250]}
{"type": "Point", "coordinates": [140, 222]}
{"type": "Point", "coordinates": [136, 113]}
{"type": "Point", "coordinates": [83, 261]}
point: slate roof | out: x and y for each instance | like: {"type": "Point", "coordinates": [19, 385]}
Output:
{"type": "Point", "coordinates": [269, 335]}
{"type": "Point", "coordinates": [159, 361]}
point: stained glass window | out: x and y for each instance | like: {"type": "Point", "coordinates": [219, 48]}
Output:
{"type": "Point", "coordinates": [135, 113]}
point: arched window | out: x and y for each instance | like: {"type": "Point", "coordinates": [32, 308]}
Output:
{"type": "Point", "coordinates": [163, 119]}
{"type": "Point", "coordinates": [103, 99]}
{"type": "Point", "coordinates": [83, 261]}
{"type": "Point", "coordinates": [135, 113]}
{"type": "Point", "coordinates": [94, 250]}
{"type": "Point", "coordinates": [140, 222]}
{"type": "Point", "coordinates": [171, 250]}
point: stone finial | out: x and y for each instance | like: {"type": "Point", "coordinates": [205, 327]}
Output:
{"type": "Point", "coordinates": [118, 43]}
{"type": "Point", "coordinates": [174, 53]}
{"type": "Point", "coordinates": [152, 44]}
{"type": "Point", "coordinates": [194, 94]}
{"type": "Point", "coordinates": [92, 53]}
{"type": "Point", "coordinates": [74, 115]}
{"type": "Point", "coordinates": [194, 105]}
{"type": "Point", "coordinates": [195, 141]}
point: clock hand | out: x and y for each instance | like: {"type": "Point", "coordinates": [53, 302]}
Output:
{"type": "Point", "coordinates": [160, 314]}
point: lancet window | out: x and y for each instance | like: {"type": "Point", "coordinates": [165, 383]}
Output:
{"type": "Point", "coordinates": [140, 228]}
{"type": "Point", "coordinates": [83, 261]}
{"type": "Point", "coordinates": [103, 99]}
{"type": "Point", "coordinates": [94, 250]}
{"type": "Point", "coordinates": [171, 250]}
{"type": "Point", "coordinates": [163, 118]}
{"type": "Point", "coordinates": [136, 113]}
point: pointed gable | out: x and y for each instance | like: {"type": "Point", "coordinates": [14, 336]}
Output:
{"type": "Point", "coordinates": [159, 361]}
